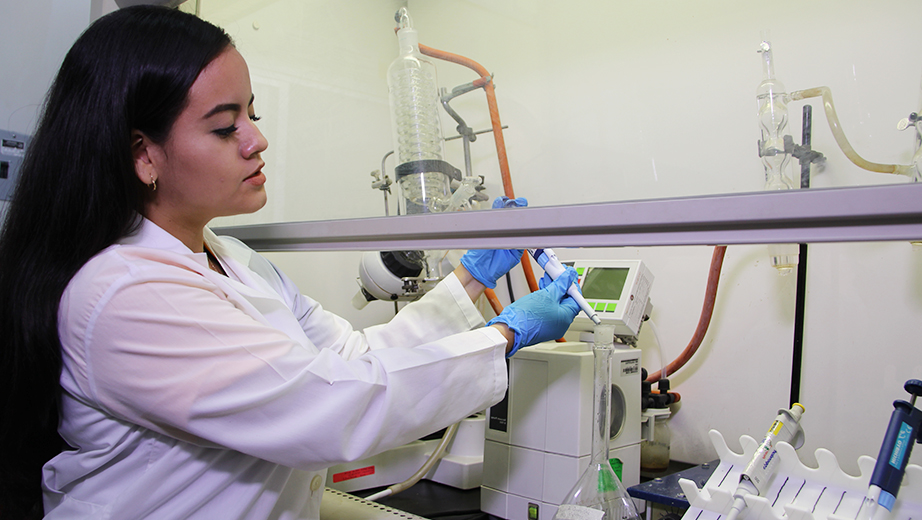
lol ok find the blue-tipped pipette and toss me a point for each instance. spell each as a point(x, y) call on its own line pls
point(552, 266)
point(902, 432)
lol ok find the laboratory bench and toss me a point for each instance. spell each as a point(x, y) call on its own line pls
point(432, 500)
point(435, 501)
point(663, 488)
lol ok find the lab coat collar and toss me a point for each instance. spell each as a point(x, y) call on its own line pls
point(151, 235)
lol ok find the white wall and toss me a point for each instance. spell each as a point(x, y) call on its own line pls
point(609, 101)
point(34, 36)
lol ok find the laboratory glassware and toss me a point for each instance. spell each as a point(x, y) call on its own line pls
point(654, 451)
point(776, 157)
point(599, 494)
point(423, 177)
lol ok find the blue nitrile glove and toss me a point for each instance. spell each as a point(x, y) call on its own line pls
point(543, 315)
point(489, 265)
point(506, 202)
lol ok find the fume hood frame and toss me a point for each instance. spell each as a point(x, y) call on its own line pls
point(853, 214)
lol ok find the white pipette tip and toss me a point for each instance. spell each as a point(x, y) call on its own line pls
point(738, 505)
point(595, 319)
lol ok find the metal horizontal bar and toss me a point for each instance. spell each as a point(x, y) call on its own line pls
point(855, 214)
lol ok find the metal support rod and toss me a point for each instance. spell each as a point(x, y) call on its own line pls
point(466, 133)
point(800, 299)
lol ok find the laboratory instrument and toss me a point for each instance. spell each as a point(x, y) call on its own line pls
point(12, 152)
point(552, 266)
point(426, 183)
point(618, 291)
point(423, 177)
point(599, 493)
point(902, 433)
point(778, 147)
point(774, 150)
point(754, 478)
point(538, 439)
point(396, 276)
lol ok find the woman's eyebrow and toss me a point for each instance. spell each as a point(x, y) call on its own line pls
point(224, 107)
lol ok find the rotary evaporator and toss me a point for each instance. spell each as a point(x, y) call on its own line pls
point(426, 183)
point(532, 455)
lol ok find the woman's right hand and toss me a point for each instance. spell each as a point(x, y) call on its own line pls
point(543, 315)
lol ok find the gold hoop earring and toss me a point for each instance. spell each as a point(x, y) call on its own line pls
point(153, 183)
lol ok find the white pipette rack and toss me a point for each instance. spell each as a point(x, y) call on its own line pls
point(795, 492)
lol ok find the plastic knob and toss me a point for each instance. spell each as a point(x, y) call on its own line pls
point(914, 387)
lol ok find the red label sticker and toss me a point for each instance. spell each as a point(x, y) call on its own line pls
point(355, 473)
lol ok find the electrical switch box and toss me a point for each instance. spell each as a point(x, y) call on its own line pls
point(12, 151)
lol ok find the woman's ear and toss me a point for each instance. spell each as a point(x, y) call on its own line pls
point(142, 152)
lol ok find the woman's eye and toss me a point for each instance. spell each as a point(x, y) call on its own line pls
point(226, 132)
point(254, 118)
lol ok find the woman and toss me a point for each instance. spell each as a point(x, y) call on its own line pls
point(185, 375)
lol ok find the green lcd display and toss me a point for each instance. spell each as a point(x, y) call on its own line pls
point(604, 283)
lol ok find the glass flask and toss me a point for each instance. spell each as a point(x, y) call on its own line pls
point(599, 494)
point(414, 101)
point(654, 452)
point(773, 121)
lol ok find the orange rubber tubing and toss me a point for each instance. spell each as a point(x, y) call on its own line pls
point(707, 310)
point(494, 301)
point(486, 81)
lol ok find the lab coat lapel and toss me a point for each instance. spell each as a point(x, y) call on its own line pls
point(257, 293)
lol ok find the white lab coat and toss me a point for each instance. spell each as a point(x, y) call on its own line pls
point(188, 394)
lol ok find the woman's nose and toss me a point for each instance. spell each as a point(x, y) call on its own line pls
point(256, 143)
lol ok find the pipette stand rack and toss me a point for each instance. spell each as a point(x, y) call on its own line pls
point(795, 491)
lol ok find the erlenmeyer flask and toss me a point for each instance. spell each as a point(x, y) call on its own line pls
point(599, 494)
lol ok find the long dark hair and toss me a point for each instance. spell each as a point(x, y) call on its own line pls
point(77, 194)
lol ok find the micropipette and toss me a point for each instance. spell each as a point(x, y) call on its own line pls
point(902, 433)
point(552, 266)
point(754, 477)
